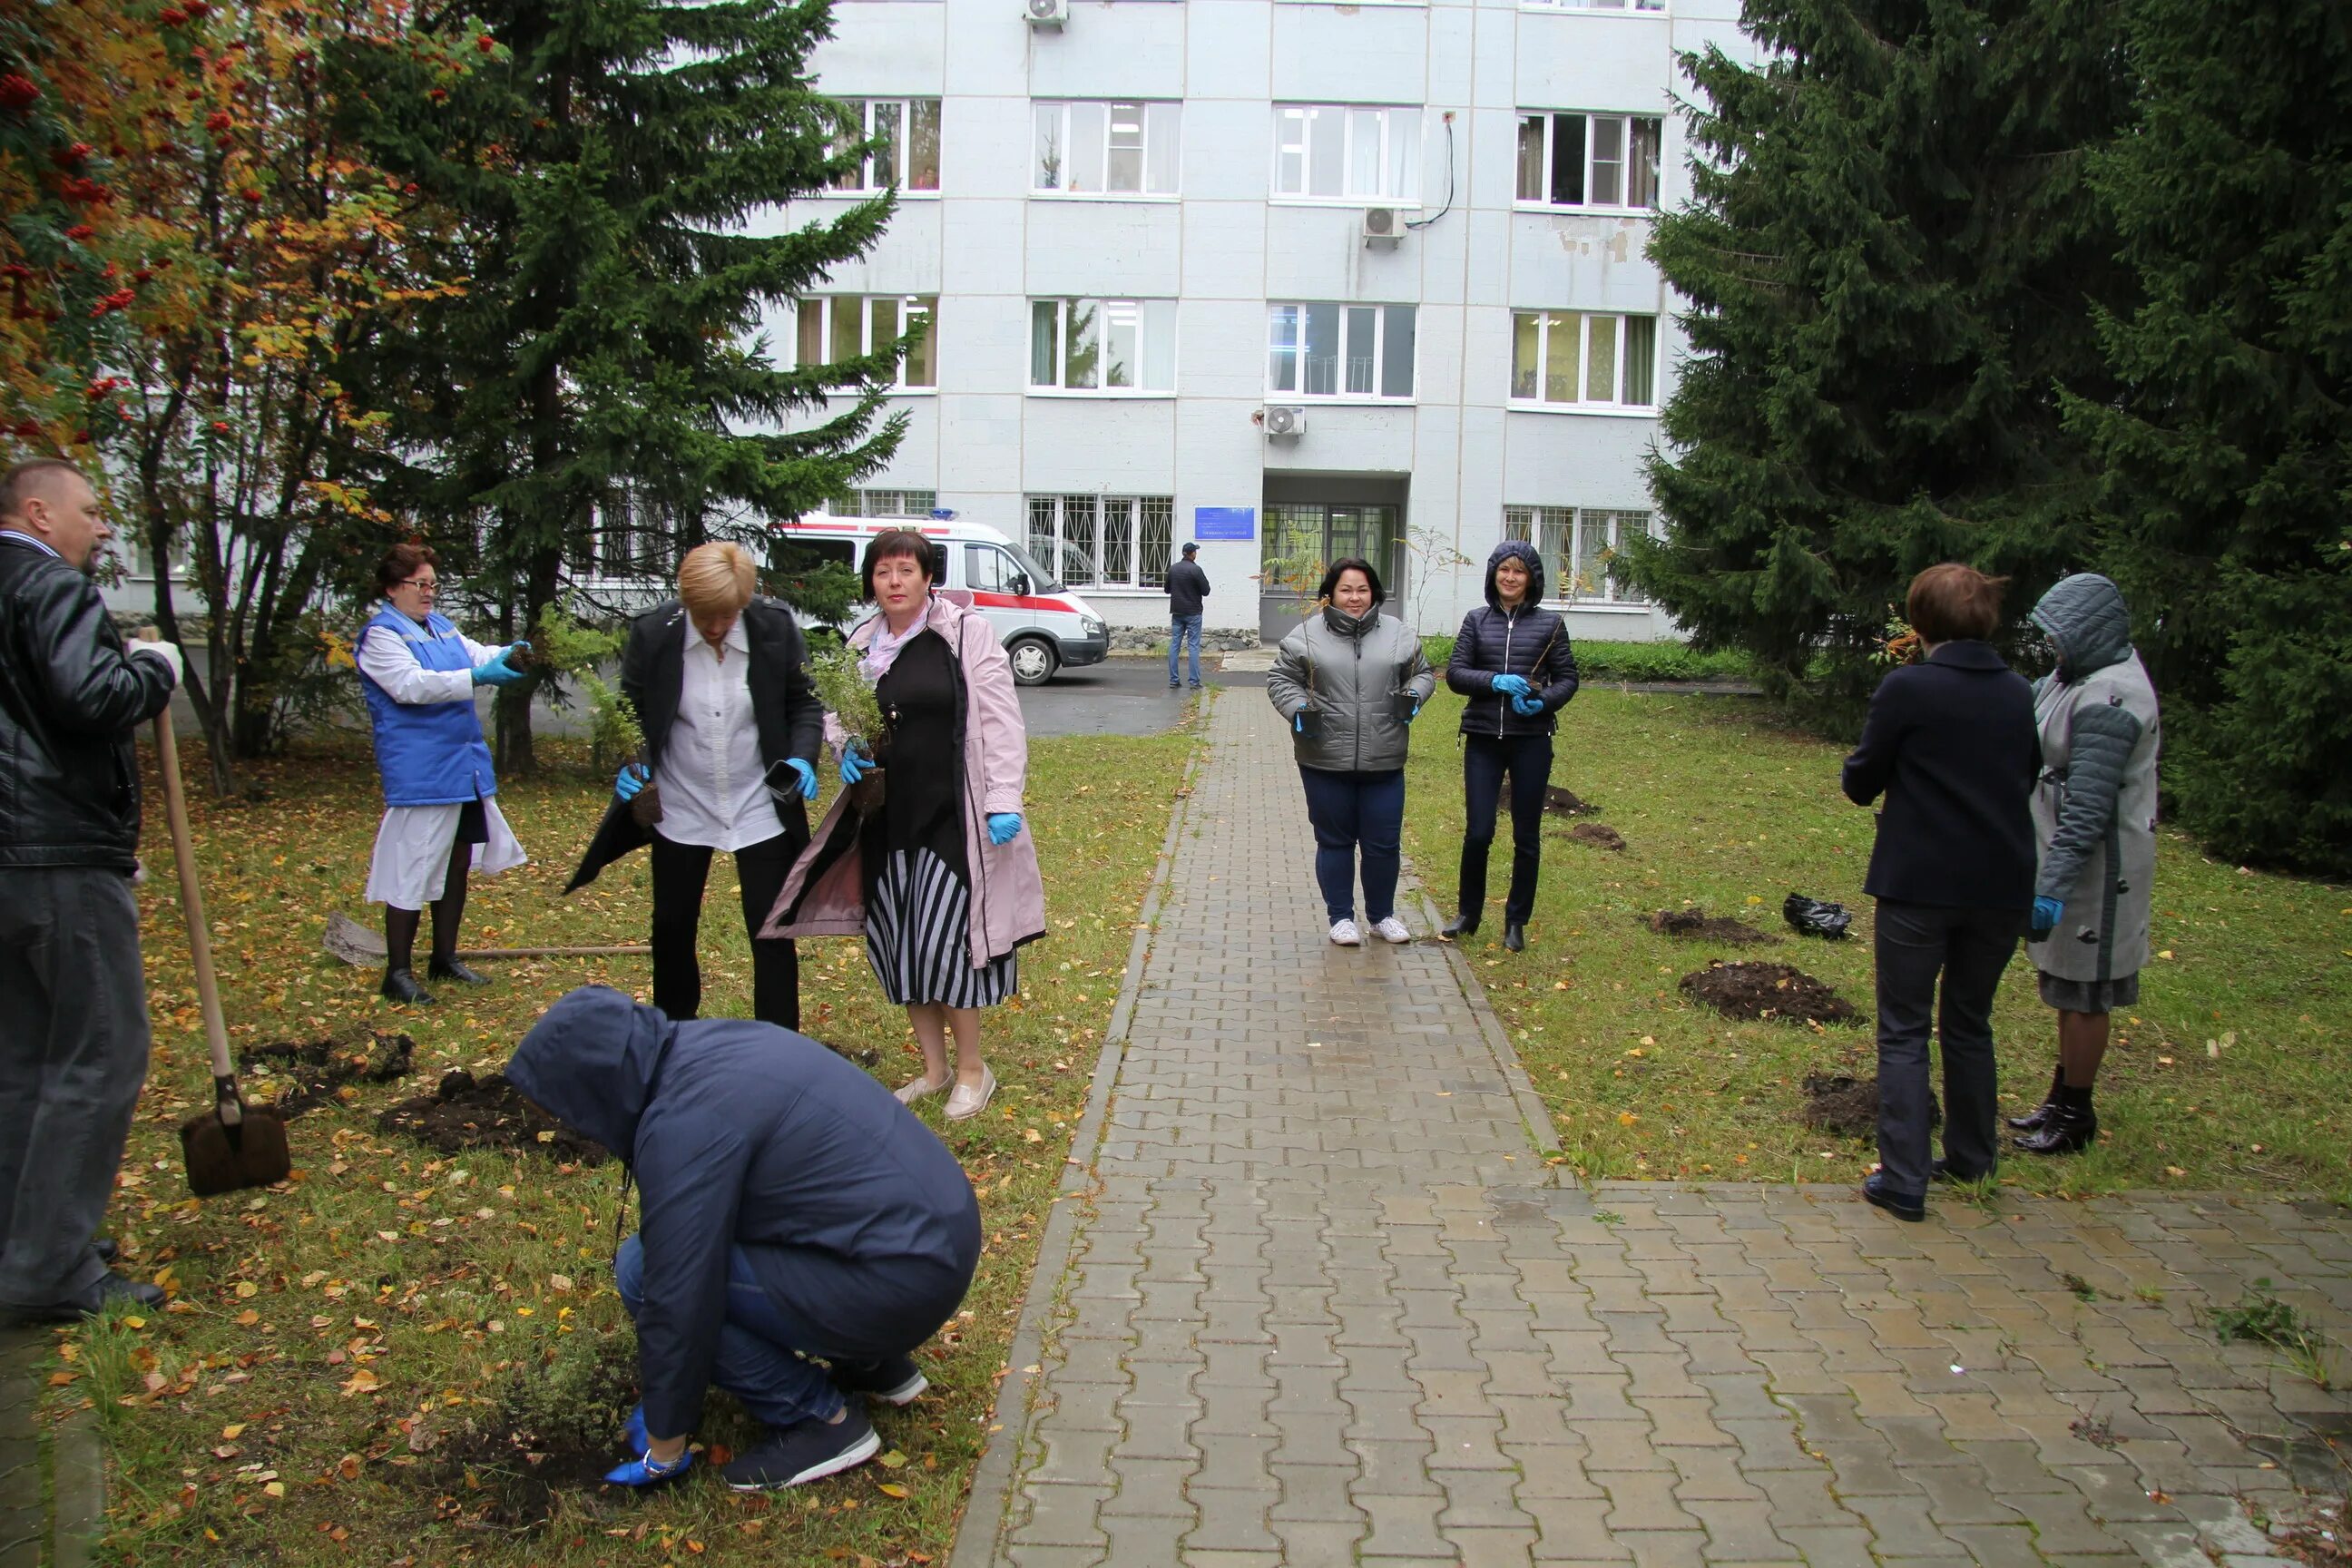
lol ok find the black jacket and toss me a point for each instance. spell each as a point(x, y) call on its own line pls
point(859, 1224)
point(1951, 744)
point(1533, 642)
point(70, 701)
point(1187, 587)
point(783, 704)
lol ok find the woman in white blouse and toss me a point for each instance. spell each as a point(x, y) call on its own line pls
point(418, 673)
point(733, 727)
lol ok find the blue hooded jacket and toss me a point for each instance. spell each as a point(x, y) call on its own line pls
point(858, 1223)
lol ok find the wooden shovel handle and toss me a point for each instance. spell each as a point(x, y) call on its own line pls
point(192, 896)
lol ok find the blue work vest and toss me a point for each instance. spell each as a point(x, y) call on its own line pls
point(430, 754)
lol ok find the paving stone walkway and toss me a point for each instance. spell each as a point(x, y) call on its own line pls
point(1327, 1304)
point(52, 1510)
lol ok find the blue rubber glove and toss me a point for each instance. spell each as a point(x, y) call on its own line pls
point(496, 671)
point(855, 766)
point(633, 779)
point(2047, 912)
point(808, 776)
point(643, 1471)
point(1511, 685)
point(1004, 826)
point(634, 1433)
point(1526, 706)
point(1298, 724)
point(1415, 713)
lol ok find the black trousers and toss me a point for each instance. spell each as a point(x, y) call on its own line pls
point(680, 870)
point(1485, 759)
point(1970, 948)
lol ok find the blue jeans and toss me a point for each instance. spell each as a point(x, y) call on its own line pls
point(1485, 760)
point(1356, 813)
point(774, 1378)
point(1179, 628)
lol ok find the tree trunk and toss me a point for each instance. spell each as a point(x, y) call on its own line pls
point(204, 695)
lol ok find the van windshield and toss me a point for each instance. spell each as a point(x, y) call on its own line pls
point(1040, 580)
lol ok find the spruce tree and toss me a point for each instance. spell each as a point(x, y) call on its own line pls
point(612, 178)
point(2230, 453)
point(1889, 261)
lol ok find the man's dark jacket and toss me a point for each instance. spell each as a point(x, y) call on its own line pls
point(858, 1223)
point(1530, 641)
point(1187, 587)
point(70, 701)
point(1951, 744)
point(784, 705)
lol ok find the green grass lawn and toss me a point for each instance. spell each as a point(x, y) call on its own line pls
point(361, 1366)
point(2230, 1073)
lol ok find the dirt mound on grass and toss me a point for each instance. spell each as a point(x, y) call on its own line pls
point(1694, 924)
point(466, 1112)
point(1768, 991)
point(1848, 1106)
point(1565, 802)
point(309, 1076)
point(1600, 837)
point(543, 1451)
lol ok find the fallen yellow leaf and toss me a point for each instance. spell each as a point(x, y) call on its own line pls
point(246, 1290)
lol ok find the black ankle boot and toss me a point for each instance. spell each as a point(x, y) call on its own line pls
point(442, 968)
point(2033, 1120)
point(2066, 1128)
point(1515, 935)
point(1460, 926)
point(400, 985)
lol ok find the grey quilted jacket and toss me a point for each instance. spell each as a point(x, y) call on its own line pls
point(1348, 673)
point(2095, 807)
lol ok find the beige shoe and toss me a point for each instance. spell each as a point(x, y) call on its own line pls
point(963, 1104)
point(917, 1089)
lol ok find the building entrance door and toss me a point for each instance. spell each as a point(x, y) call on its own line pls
point(1302, 538)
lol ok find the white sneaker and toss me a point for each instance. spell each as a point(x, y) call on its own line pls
point(1345, 934)
point(1392, 930)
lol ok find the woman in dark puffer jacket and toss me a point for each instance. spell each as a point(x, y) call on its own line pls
point(1513, 661)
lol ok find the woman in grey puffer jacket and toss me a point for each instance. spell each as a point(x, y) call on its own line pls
point(1349, 680)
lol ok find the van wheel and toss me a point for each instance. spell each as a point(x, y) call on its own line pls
point(1034, 662)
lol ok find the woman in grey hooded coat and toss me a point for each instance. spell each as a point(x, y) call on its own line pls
point(2094, 826)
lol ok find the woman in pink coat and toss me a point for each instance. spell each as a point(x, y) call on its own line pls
point(941, 879)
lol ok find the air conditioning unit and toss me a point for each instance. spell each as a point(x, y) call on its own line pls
point(1383, 225)
point(1047, 13)
point(1285, 420)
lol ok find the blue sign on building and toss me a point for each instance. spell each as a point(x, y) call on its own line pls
point(1224, 522)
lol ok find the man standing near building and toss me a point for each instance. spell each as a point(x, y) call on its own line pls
point(1187, 587)
point(73, 1052)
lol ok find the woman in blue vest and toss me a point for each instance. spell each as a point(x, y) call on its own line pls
point(418, 673)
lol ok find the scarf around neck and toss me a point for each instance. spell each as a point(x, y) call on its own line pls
point(883, 651)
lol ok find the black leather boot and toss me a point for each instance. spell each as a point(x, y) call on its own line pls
point(1459, 927)
point(2032, 1120)
point(2066, 1128)
point(1515, 935)
point(450, 969)
point(400, 985)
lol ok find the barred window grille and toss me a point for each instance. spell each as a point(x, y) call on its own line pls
point(1159, 539)
point(1106, 541)
point(1580, 546)
point(884, 503)
point(1118, 538)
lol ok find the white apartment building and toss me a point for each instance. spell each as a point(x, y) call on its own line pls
point(1295, 279)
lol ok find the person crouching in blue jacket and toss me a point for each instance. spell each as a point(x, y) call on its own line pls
point(790, 1210)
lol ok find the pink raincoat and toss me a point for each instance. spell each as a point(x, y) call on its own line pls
point(826, 893)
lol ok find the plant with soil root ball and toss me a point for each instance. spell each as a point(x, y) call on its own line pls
point(567, 646)
point(849, 697)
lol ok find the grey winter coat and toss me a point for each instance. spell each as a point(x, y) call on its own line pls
point(2094, 808)
point(1348, 673)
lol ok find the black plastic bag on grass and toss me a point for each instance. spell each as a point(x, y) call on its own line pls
point(1812, 917)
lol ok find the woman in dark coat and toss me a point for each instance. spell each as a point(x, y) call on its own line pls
point(1950, 742)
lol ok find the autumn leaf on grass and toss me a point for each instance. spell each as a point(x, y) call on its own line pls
point(362, 1381)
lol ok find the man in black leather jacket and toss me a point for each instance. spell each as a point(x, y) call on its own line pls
point(73, 1049)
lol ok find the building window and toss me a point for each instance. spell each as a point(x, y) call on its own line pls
point(1579, 547)
point(884, 503)
point(1645, 5)
point(1573, 358)
point(852, 326)
point(1107, 346)
point(1343, 152)
point(905, 133)
point(1340, 351)
point(1103, 542)
point(1588, 161)
point(1105, 148)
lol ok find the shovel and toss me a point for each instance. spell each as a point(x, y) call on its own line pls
point(233, 1145)
point(356, 944)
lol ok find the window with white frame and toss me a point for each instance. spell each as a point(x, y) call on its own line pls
point(1105, 148)
point(1579, 546)
point(1340, 152)
point(1584, 359)
point(1103, 542)
point(1649, 6)
point(851, 326)
point(1340, 351)
point(884, 503)
point(1112, 347)
point(1586, 161)
point(905, 133)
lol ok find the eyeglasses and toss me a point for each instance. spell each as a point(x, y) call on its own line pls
point(426, 584)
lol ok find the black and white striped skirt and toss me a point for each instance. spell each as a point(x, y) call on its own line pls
point(918, 935)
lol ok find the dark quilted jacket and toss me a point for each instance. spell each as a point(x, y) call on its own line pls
point(1533, 642)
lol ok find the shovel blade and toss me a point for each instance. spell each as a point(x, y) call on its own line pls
point(223, 1159)
point(353, 942)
